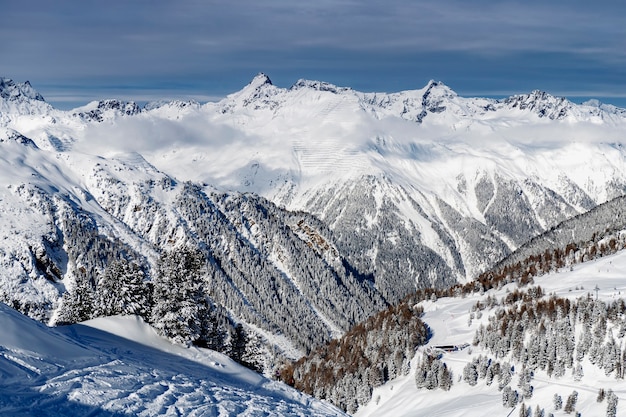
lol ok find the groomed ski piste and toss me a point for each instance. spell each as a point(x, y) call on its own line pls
point(119, 366)
point(448, 319)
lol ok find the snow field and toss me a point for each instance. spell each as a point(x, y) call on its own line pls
point(119, 366)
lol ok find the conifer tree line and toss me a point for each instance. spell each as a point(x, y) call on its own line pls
point(549, 334)
point(277, 270)
point(280, 271)
point(346, 370)
point(554, 325)
point(175, 302)
point(536, 264)
point(556, 334)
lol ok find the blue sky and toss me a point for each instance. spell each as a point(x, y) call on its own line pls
point(76, 51)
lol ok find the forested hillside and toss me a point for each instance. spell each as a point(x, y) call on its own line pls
point(517, 325)
point(285, 216)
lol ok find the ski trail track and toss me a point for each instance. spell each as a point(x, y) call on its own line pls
point(112, 376)
point(327, 151)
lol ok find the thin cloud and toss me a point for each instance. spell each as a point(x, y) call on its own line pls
point(374, 44)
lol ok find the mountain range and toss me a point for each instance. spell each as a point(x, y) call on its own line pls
point(314, 206)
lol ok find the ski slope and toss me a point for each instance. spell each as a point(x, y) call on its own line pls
point(449, 317)
point(119, 366)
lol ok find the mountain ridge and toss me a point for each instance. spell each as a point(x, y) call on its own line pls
point(396, 192)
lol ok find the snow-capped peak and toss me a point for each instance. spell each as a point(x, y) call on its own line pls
point(542, 103)
point(10, 90)
point(258, 94)
point(318, 86)
point(10, 135)
point(259, 80)
point(103, 109)
point(20, 99)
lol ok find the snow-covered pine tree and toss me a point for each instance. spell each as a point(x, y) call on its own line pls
point(238, 343)
point(445, 377)
point(181, 309)
point(78, 304)
point(578, 371)
point(470, 374)
point(245, 349)
point(505, 375)
point(558, 401)
point(509, 397)
point(611, 403)
point(570, 405)
point(218, 327)
point(539, 412)
point(525, 378)
point(122, 290)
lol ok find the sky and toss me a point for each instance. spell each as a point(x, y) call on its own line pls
point(75, 51)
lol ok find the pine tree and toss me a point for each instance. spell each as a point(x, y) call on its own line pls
point(570, 405)
point(78, 304)
point(122, 290)
point(421, 372)
point(611, 403)
point(578, 372)
point(509, 397)
point(238, 344)
point(558, 401)
point(539, 412)
point(216, 331)
point(445, 377)
point(181, 309)
point(470, 374)
point(505, 375)
point(245, 349)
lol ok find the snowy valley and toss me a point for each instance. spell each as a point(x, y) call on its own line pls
point(305, 211)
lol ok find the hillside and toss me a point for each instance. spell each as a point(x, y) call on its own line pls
point(313, 206)
point(120, 366)
point(570, 331)
point(529, 325)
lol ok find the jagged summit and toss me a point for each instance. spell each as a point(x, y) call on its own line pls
point(259, 80)
point(18, 99)
point(10, 90)
point(318, 86)
point(439, 87)
point(542, 103)
point(8, 135)
point(99, 110)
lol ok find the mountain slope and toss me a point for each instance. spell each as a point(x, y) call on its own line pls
point(525, 326)
point(556, 321)
point(119, 366)
point(302, 200)
point(457, 321)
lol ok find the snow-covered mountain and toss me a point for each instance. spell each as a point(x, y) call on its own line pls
point(119, 366)
point(527, 328)
point(522, 350)
point(314, 206)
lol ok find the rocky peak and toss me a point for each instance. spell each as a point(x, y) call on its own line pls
point(257, 94)
point(9, 135)
point(259, 80)
point(318, 86)
point(541, 103)
point(10, 90)
point(97, 111)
